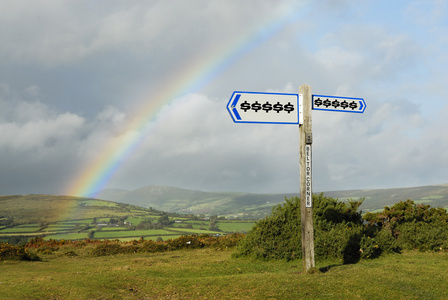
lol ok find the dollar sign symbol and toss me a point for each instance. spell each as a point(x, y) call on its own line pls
point(327, 103)
point(289, 107)
point(335, 103)
point(267, 107)
point(353, 105)
point(278, 107)
point(344, 104)
point(256, 106)
point(318, 102)
point(245, 106)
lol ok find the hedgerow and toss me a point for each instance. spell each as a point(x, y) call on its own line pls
point(183, 242)
point(108, 247)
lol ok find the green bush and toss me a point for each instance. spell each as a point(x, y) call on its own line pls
point(337, 230)
point(407, 225)
point(276, 236)
point(338, 241)
point(423, 236)
point(370, 247)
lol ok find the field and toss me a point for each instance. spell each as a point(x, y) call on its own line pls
point(212, 274)
point(70, 218)
point(81, 229)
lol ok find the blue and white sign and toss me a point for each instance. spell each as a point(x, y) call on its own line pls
point(270, 108)
point(333, 103)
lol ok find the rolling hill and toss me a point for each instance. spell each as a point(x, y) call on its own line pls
point(179, 200)
point(51, 208)
point(23, 217)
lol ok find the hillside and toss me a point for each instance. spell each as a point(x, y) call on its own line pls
point(174, 199)
point(23, 217)
point(171, 199)
point(434, 195)
point(51, 208)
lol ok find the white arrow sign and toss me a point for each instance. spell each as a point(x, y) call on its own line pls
point(274, 108)
point(333, 103)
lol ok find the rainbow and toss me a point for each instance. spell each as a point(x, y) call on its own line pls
point(189, 78)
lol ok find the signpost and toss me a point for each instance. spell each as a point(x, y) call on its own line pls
point(271, 108)
point(306, 188)
point(344, 104)
point(278, 108)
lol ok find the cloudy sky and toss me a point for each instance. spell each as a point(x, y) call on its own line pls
point(81, 81)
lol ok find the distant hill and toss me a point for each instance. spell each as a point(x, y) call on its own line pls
point(377, 199)
point(179, 200)
point(51, 208)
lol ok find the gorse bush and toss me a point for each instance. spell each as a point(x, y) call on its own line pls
point(276, 236)
point(183, 242)
point(340, 230)
point(108, 247)
point(337, 231)
point(9, 252)
point(413, 226)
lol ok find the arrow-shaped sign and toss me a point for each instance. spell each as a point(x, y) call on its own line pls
point(333, 103)
point(273, 108)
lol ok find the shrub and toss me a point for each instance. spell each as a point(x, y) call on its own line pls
point(106, 248)
point(9, 252)
point(151, 246)
point(337, 230)
point(276, 236)
point(423, 236)
point(46, 249)
point(407, 225)
point(369, 247)
point(185, 241)
point(338, 241)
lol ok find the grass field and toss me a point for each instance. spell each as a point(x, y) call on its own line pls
point(212, 274)
point(71, 218)
point(79, 229)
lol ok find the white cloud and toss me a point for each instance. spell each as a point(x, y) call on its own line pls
point(36, 134)
point(71, 71)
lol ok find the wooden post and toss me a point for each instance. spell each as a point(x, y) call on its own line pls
point(306, 191)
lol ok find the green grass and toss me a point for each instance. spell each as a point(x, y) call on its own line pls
point(235, 226)
point(192, 231)
point(211, 274)
point(67, 236)
point(18, 229)
point(76, 229)
point(111, 228)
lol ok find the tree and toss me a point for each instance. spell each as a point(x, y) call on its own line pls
point(213, 226)
point(113, 220)
point(164, 220)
